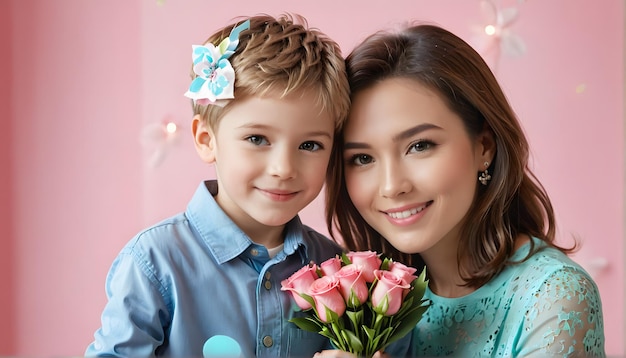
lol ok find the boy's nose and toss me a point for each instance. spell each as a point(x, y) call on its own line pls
point(283, 164)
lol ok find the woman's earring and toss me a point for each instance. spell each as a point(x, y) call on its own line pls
point(485, 177)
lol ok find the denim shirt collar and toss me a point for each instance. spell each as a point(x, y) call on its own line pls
point(224, 238)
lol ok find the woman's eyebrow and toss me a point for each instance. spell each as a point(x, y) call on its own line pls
point(413, 131)
point(398, 137)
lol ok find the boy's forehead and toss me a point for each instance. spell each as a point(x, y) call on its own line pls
point(296, 113)
point(307, 98)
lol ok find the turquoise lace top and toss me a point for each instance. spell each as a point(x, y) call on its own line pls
point(545, 306)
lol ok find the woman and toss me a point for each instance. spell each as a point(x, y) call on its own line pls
point(432, 168)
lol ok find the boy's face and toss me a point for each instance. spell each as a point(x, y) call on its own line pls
point(270, 157)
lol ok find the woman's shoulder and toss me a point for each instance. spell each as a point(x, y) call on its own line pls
point(550, 292)
point(542, 260)
point(548, 272)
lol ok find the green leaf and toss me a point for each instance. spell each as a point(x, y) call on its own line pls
point(327, 333)
point(384, 335)
point(336, 343)
point(408, 323)
point(385, 264)
point(407, 304)
point(373, 341)
point(355, 317)
point(374, 344)
point(371, 333)
point(307, 324)
point(332, 316)
point(383, 306)
point(353, 301)
point(419, 285)
point(341, 343)
point(356, 346)
point(383, 338)
point(344, 258)
point(309, 299)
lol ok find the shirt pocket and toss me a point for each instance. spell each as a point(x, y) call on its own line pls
point(301, 343)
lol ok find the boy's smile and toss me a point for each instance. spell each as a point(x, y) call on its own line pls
point(279, 195)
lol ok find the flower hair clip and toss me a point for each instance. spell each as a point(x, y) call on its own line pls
point(215, 76)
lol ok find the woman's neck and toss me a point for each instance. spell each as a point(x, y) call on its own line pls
point(444, 277)
point(442, 266)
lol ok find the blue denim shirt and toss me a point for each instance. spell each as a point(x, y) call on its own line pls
point(190, 277)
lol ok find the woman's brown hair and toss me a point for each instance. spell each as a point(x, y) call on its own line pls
point(514, 202)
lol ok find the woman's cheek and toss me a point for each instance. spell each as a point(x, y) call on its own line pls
point(445, 173)
point(358, 185)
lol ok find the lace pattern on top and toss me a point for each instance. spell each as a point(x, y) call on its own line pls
point(545, 306)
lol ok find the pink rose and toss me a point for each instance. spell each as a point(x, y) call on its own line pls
point(352, 285)
point(330, 266)
point(388, 293)
point(325, 293)
point(299, 283)
point(405, 272)
point(368, 261)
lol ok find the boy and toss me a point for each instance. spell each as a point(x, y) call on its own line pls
point(269, 96)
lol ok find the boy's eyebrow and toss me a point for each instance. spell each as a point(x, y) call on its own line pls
point(312, 134)
point(321, 134)
point(406, 134)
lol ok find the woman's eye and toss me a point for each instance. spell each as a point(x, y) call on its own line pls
point(257, 140)
point(421, 146)
point(311, 146)
point(360, 159)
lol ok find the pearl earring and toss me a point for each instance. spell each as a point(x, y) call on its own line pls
point(485, 177)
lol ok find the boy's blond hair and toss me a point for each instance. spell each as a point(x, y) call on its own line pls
point(284, 56)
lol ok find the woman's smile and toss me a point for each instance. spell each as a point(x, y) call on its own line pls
point(406, 216)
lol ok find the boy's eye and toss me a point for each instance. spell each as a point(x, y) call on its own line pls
point(257, 140)
point(361, 159)
point(421, 146)
point(311, 146)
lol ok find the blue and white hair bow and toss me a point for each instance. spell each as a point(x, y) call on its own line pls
point(215, 76)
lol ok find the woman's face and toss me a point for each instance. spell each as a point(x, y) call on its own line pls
point(411, 168)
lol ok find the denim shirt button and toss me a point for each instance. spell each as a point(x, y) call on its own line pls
point(268, 285)
point(268, 341)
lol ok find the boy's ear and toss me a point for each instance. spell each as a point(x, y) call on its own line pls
point(204, 139)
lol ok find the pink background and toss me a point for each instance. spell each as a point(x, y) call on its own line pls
point(81, 80)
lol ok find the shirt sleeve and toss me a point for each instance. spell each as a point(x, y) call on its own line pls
point(563, 318)
point(134, 318)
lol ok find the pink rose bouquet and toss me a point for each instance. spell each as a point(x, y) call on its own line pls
point(361, 302)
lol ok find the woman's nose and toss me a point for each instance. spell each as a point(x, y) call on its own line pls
point(393, 180)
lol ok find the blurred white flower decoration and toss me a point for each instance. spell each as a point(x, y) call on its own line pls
point(158, 139)
point(496, 38)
